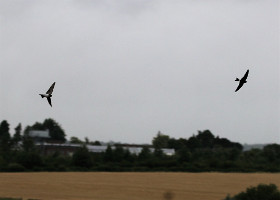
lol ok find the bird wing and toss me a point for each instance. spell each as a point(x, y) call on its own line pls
point(50, 89)
point(50, 101)
point(246, 75)
point(239, 86)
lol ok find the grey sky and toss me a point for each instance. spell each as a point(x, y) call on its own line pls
point(126, 69)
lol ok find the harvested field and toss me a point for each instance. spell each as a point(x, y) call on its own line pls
point(129, 186)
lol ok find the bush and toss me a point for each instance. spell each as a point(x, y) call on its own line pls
point(30, 160)
point(82, 158)
point(10, 199)
point(15, 167)
point(261, 192)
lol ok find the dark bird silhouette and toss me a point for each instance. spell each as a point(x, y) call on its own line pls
point(242, 80)
point(48, 94)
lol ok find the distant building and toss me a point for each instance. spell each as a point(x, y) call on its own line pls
point(39, 135)
point(248, 147)
point(64, 149)
point(133, 150)
point(69, 149)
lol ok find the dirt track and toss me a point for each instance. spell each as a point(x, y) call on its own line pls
point(129, 186)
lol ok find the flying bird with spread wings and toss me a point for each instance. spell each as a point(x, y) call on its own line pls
point(242, 80)
point(48, 94)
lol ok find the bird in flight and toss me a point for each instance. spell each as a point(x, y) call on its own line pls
point(242, 80)
point(48, 94)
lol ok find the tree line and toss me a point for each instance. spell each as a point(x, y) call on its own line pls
point(260, 192)
point(198, 153)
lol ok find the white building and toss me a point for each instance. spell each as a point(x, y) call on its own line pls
point(39, 134)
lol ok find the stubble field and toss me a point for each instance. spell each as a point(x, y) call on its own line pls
point(129, 186)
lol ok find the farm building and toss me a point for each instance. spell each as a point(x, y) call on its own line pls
point(69, 149)
point(39, 135)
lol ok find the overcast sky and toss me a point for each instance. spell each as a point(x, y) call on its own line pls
point(126, 69)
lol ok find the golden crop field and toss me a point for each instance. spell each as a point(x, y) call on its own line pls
point(129, 186)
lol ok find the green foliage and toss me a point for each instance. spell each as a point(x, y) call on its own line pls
point(82, 158)
point(108, 156)
point(272, 153)
point(158, 153)
point(145, 154)
point(177, 144)
point(201, 152)
point(57, 162)
point(15, 167)
point(183, 154)
point(3, 163)
point(118, 154)
point(97, 143)
point(28, 144)
point(26, 130)
point(56, 132)
point(30, 160)
point(75, 140)
point(160, 141)
point(38, 126)
point(4, 128)
point(261, 192)
point(17, 136)
point(4, 137)
point(206, 139)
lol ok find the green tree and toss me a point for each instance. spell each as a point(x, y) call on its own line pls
point(225, 143)
point(17, 136)
point(183, 154)
point(261, 192)
point(177, 144)
point(96, 143)
point(128, 156)
point(38, 126)
point(5, 136)
point(158, 153)
point(145, 153)
point(28, 144)
point(109, 156)
point(87, 140)
point(206, 139)
point(56, 131)
point(26, 130)
point(82, 158)
point(4, 128)
point(118, 154)
point(193, 143)
point(160, 141)
point(272, 152)
point(75, 140)
point(30, 160)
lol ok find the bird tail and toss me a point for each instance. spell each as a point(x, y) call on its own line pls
point(237, 79)
point(41, 95)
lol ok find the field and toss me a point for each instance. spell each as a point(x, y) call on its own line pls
point(129, 186)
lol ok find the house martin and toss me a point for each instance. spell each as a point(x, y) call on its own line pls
point(48, 94)
point(242, 80)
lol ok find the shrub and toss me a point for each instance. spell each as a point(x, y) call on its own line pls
point(82, 159)
point(15, 167)
point(10, 199)
point(261, 192)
